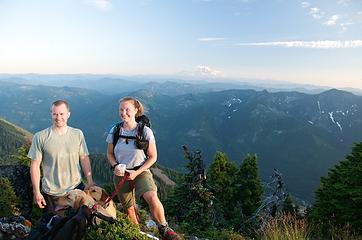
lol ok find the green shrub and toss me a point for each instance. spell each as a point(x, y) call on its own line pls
point(222, 235)
point(122, 229)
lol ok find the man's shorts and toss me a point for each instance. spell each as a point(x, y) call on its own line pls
point(130, 190)
point(50, 201)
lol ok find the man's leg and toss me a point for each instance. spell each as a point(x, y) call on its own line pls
point(50, 201)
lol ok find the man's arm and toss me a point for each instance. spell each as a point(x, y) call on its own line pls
point(84, 161)
point(35, 181)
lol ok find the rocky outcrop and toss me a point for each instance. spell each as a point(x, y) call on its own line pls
point(19, 176)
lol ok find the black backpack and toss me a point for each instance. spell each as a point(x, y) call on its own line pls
point(53, 227)
point(139, 140)
point(73, 227)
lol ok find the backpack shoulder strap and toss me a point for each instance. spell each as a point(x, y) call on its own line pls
point(140, 136)
point(116, 130)
point(140, 129)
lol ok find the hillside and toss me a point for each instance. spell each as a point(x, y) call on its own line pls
point(302, 135)
point(12, 137)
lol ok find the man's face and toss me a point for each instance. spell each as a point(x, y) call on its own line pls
point(60, 115)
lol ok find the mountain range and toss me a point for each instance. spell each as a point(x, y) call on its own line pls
point(302, 135)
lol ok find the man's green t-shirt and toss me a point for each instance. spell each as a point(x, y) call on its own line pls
point(59, 156)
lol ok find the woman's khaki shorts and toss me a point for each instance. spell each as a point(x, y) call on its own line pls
point(142, 184)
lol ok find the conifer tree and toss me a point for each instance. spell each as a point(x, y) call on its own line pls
point(288, 205)
point(250, 189)
point(22, 155)
point(8, 200)
point(190, 203)
point(339, 197)
point(221, 177)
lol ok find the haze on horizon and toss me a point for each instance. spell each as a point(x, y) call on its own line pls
point(306, 42)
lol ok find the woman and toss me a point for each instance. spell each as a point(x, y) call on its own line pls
point(139, 177)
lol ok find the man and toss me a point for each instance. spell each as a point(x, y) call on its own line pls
point(61, 151)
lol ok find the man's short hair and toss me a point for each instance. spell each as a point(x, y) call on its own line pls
point(60, 102)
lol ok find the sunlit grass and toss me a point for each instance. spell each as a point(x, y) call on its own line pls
point(320, 231)
point(286, 227)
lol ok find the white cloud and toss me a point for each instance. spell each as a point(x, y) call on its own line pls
point(316, 13)
point(201, 71)
point(246, 1)
point(206, 71)
point(103, 5)
point(305, 4)
point(344, 26)
point(344, 2)
point(210, 39)
point(332, 20)
point(327, 44)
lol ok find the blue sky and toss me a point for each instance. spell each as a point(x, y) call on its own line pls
point(311, 42)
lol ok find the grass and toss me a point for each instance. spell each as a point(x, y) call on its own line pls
point(288, 227)
point(335, 233)
point(291, 227)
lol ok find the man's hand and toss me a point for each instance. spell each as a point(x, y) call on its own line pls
point(39, 200)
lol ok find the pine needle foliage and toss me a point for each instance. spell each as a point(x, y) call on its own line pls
point(8, 200)
point(250, 190)
point(221, 175)
point(339, 198)
point(190, 203)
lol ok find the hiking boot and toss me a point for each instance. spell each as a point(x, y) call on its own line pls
point(167, 233)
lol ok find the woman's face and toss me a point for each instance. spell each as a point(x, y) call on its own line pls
point(127, 111)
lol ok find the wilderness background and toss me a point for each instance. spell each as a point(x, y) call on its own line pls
point(302, 134)
point(255, 86)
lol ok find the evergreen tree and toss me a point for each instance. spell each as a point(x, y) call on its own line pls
point(250, 188)
point(22, 154)
point(190, 203)
point(8, 200)
point(339, 197)
point(221, 177)
point(288, 205)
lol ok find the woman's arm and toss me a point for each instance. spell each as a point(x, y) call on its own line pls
point(110, 155)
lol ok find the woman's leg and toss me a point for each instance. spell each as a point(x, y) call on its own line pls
point(132, 214)
point(156, 207)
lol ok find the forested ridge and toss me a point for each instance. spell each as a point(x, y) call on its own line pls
point(302, 135)
point(225, 200)
point(12, 137)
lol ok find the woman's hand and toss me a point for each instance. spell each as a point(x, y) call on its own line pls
point(131, 175)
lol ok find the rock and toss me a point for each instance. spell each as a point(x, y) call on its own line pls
point(150, 224)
